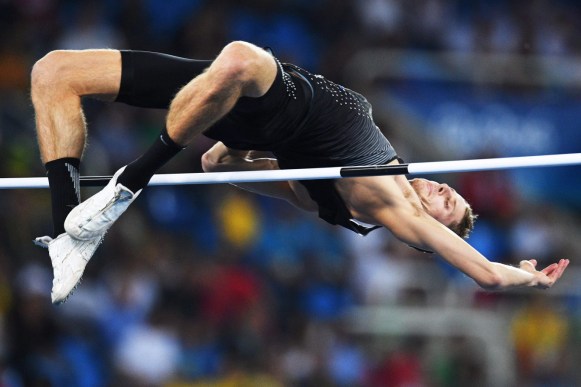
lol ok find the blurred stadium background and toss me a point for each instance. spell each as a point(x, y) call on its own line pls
point(210, 286)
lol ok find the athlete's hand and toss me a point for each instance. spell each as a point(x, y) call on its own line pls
point(220, 158)
point(547, 277)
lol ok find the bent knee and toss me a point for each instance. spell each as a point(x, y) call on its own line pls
point(77, 72)
point(49, 70)
point(247, 64)
point(238, 60)
point(48, 67)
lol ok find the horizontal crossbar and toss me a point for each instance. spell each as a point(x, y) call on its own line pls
point(423, 168)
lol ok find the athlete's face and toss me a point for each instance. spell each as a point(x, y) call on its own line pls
point(440, 201)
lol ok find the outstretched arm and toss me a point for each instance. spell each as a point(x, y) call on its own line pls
point(223, 159)
point(423, 231)
point(372, 200)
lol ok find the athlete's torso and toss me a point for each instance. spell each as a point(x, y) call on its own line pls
point(308, 121)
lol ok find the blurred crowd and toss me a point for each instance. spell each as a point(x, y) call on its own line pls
point(212, 286)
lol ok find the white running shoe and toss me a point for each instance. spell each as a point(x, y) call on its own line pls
point(69, 258)
point(93, 217)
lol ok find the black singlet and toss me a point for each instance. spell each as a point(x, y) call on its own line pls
point(309, 122)
point(306, 120)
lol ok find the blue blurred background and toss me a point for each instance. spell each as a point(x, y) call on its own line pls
point(210, 286)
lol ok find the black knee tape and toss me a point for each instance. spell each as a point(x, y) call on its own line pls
point(151, 80)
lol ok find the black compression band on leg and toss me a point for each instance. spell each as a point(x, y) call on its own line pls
point(137, 174)
point(151, 79)
point(63, 179)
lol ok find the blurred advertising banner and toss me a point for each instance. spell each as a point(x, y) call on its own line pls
point(466, 121)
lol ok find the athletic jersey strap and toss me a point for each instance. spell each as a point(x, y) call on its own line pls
point(332, 208)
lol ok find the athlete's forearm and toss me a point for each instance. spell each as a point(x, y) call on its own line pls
point(222, 159)
point(279, 190)
point(512, 277)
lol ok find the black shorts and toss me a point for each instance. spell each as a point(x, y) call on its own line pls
point(151, 79)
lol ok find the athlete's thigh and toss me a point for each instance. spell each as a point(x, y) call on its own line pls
point(95, 73)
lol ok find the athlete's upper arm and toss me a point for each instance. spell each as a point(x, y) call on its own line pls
point(221, 159)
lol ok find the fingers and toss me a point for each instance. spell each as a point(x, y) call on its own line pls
point(558, 272)
point(549, 269)
point(554, 271)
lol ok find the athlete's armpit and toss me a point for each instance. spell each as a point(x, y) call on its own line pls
point(303, 198)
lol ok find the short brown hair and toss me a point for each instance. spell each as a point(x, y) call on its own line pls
point(466, 224)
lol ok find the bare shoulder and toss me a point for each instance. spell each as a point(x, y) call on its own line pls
point(366, 197)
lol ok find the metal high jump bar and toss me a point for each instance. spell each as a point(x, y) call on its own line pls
point(421, 168)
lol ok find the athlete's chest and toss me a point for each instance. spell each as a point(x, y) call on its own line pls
point(368, 197)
